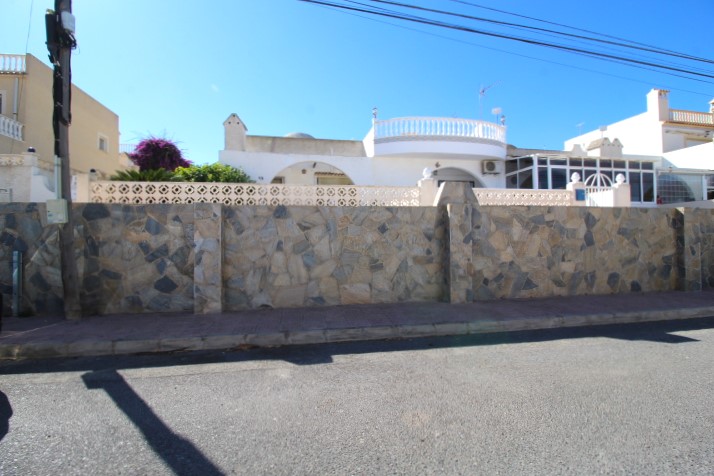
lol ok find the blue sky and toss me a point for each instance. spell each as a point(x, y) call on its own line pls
point(178, 69)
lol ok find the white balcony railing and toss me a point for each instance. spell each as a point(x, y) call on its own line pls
point(10, 128)
point(12, 64)
point(439, 127)
point(691, 117)
point(126, 148)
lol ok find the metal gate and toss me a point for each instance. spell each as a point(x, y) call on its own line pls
point(598, 191)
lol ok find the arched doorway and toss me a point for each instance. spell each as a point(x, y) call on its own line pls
point(312, 173)
point(453, 174)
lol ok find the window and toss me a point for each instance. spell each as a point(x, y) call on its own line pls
point(3, 97)
point(278, 180)
point(673, 188)
point(103, 143)
point(332, 179)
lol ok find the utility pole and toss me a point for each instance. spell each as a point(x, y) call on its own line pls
point(60, 42)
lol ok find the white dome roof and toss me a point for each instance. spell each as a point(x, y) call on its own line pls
point(299, 135)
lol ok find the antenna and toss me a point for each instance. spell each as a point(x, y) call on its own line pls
point(481, 94)
point(580, 125)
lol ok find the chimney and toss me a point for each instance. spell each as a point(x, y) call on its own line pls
point(658, 104)
point(234, 131)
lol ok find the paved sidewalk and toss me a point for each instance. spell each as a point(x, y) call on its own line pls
point(35, 337)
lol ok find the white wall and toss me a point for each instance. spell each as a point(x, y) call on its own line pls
point(387, 171)
point(268, 165)
point(640, 135)
point(440, 147)
point(697, 157)
point(28, 181)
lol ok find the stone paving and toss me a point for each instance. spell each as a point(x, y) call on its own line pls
point(43, 337)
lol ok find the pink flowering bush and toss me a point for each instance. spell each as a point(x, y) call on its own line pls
point(157, 153)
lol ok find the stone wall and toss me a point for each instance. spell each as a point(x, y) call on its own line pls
point(23, 228)
point(697, 239)
point(303, 256)
point(129, 258)
point(206, 258)
point(135, 258)
point(522, 252)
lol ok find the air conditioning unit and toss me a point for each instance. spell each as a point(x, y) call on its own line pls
point(489, 167)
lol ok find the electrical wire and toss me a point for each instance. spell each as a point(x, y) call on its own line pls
point(546, 30)
point(464, 42)
point(463, 2)
point(594, 54)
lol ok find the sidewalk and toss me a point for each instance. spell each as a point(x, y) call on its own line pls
point(35, 337)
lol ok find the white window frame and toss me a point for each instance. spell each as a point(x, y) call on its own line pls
point(102, 138)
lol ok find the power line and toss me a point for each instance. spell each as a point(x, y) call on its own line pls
point(558, 24)
point(566, 65)
point(547, 30)
point(581, 51)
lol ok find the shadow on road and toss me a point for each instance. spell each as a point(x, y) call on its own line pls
point(5, 414)
point(178, 453)
point(663, 332)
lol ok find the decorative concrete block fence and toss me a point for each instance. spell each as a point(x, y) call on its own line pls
point(207, 258)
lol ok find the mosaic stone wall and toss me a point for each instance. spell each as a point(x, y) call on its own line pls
point(135, 258)
point(23, 228)
point(207, 258)
point(129, 258)
point(698, 248)
point(307, 256)
point(521, 252)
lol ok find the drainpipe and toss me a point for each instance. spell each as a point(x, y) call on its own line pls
point(15, 99)
point(58, 178)
point(16, 282)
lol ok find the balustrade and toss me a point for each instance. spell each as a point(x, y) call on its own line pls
point(10, 128)
point(126, 148)
point(12, 63)
point(438, 127)
point(691, 117)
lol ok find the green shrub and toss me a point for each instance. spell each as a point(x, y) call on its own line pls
point(211, 173)
point(151, 175)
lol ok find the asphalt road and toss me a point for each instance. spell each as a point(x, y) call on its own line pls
point(635, 399)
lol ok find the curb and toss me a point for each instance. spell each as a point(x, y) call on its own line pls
point(487, 325)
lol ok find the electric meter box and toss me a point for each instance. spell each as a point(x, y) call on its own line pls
point(57, 211)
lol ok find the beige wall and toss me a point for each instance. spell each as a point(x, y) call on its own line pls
point(89, 119)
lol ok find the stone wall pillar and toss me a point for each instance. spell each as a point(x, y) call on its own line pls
point(208, 267)
point(428, 188)
point(459, 200)
point(461, 270)
point(578, 189)
point(621, 193)
point(688, 228)
point(82, 187)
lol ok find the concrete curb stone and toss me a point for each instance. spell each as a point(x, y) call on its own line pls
point(501, 317)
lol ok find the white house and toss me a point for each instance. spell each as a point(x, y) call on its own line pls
point(394, 152)
point(680, 141)
point(669, 155)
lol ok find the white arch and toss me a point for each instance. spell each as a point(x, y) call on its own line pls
point(457, 174)
point(293, 173)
